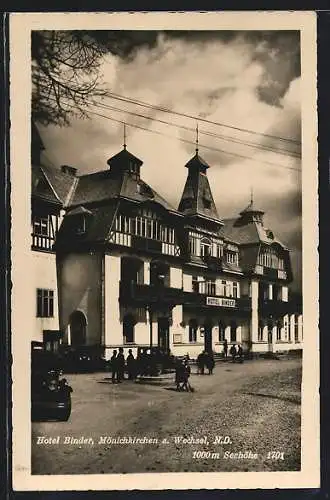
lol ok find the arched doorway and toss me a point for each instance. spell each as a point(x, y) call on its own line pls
point(129, 322)
point(164, 333)
point(78, 327)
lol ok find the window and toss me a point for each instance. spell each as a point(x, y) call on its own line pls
point(219, 251)
point(210, 287)
point(205, 247)
point(187, 203)
point(193, 245)
point(195, 287)
point(233, 328)
point(261, 331)
point(41, 226)
point(296, 330)
point(45, 303)
point(278, 331)
point(222, 329)
point(206, 203)
point(235, 289)
point(81, 225)
point(231, 257)
point(192, 330)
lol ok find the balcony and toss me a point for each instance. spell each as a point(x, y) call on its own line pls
point(268, 272)
point(213, 263)
point(274, 306)
point(146, 244)
point(131, 292)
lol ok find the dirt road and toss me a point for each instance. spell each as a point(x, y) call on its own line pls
point(245, 417)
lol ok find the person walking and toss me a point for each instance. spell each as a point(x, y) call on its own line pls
point(225, 349)
point(120, 365)
point(113, 366)
point(130, 362)
point(233, 353)
point(210, 362)
point(240, 353)
point(201, 363)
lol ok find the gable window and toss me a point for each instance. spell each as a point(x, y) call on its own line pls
point(231, 257)
point(45, 303)
point(205, 247)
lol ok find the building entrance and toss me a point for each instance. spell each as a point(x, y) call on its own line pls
point(78, 326)
point(208, 337)
point(164, 334)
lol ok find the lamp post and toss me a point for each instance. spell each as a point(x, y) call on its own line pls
point(150, 325)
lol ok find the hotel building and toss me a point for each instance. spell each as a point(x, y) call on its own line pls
point(116, 265)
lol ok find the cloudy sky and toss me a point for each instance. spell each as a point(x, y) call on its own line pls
point(243, 80)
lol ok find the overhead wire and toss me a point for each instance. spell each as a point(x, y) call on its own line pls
point(138, 102)
point(285, 152)
point(183, 140)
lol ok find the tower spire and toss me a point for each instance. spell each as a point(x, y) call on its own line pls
point(196, 137)
point(251, 196)
point(124, 136)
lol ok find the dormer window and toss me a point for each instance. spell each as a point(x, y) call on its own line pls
point(81, 224)
point(187, 203)
point(206, 202)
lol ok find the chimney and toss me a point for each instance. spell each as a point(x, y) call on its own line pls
point(66, 169)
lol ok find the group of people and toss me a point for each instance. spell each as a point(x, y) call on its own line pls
point(147, 362)
point(205, 360)
point(235, 352)
point(182, 374)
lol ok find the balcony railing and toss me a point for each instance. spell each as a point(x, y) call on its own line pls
point(276, 306)
point(149, 294)
point(270, 273)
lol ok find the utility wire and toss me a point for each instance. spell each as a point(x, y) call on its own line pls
point(137, 102)
point(285, 152)
point(200, 119)
point(184, 140)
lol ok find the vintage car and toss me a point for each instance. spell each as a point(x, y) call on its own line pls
point(50, 392)
point(81, 359)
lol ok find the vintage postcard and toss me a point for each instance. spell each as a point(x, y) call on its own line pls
point(164, 250)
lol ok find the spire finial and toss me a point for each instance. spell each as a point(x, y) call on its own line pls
point(124, 136)
point(196, 137)
point(251, 200)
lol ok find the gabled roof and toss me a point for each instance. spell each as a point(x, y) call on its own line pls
point(41, 187)
point(61, 183)
point(107, 185)
point(98, 224)
point(251, 233)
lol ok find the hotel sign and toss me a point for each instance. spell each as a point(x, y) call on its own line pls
point(220, 302)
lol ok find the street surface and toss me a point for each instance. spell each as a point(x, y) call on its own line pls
point(249, 414)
